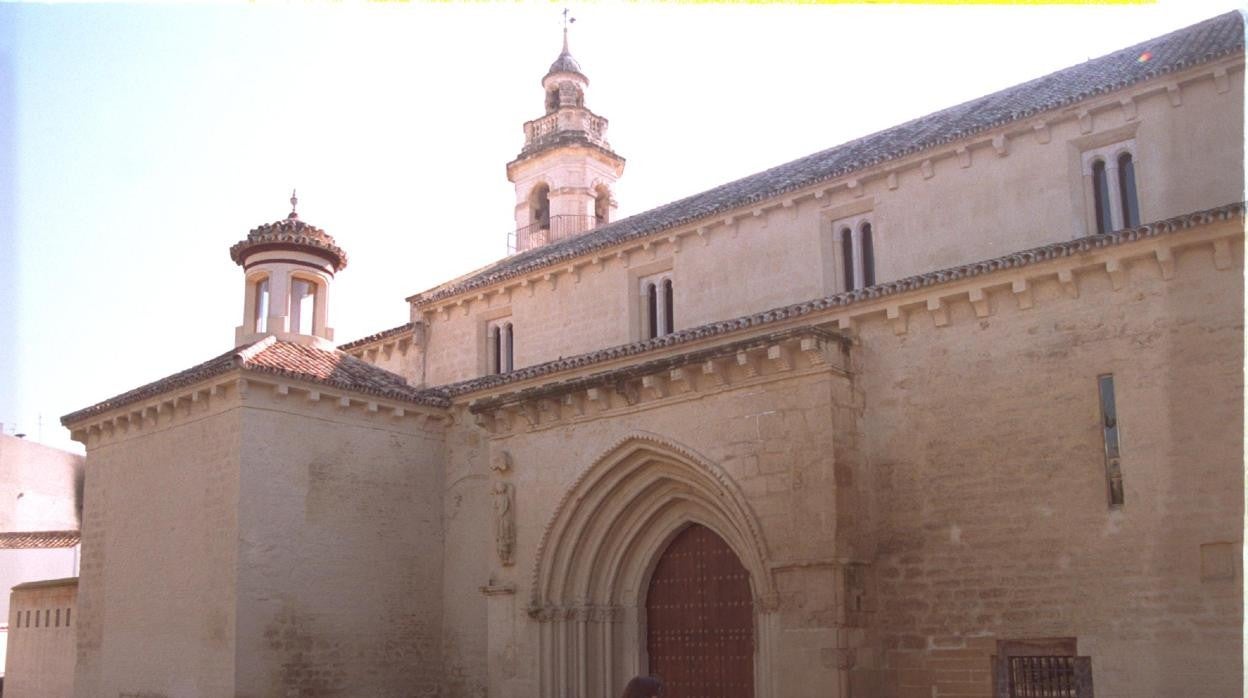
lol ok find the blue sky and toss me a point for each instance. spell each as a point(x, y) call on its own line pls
point(138, 142)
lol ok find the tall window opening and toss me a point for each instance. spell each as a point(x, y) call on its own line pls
point(1126, 189)
point(539, 204)
point(658, 306)
point(868, 254)
point(302, 305)
point(552, 99)
point(260, 305)
point(1100, 194)
point(853, 252)
point(500, 342)
point(847, 258)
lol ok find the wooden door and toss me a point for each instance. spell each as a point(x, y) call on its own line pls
point(700, 619)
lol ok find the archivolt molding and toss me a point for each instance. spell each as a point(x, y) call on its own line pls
point(598, 545)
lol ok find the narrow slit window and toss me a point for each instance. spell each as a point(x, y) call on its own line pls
point(668, 323)
point(1100, 195)
point(1109, 431)
point(67, 612)
point(58, 618)
point(868, 256)
point(260, 315)
point(1126, 188)
point(847, 258)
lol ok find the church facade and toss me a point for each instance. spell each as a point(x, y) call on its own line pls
point(953, 409)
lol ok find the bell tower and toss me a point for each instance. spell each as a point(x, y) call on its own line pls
point(565, 174)
point(288, 267)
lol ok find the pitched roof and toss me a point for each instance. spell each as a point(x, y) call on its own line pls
point(36, 540)
point(377, 336)
point(1185, 48)
point(287, 359)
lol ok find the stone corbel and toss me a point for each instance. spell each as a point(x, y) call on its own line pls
point(314, 396)
point(552, 408)
point(464, 305)
point(1165, 260)
point(891, 181)
point(1222, 254)
point(281, 390)
point(855, 187)
point(599, 262)
point(552, 279)
point(600, 398)
point(939, 311)
point(397, 413)
point(780, 357)
point(529, 411)
point(927, 169)
point(979, 301)
point(1066, 278)
point(704, 235)
point(1221, 81)
point(629, 391)
point(372, 406)
point(1130, 110)
point(528, 286)
point(1117, 274)
point(748, 363)
point(574, 403)
point(654, 387)
point(1085, 121)
point(1042, 132)
point(897, 317)
point(964, 156)
point(344, 402)
point(1175, 94)
point(716, 371)
point(1022, 293)
point(684, 380)
point(674, 241)
point(812, 349)
point(623, 257)
point(1001, 145)
point(485, 420)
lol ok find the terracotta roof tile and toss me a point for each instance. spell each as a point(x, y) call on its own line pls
point(377, 336)
point(34, 540)
point(274, 357)
point(1185, 48)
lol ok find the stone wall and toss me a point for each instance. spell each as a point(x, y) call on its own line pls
point(159, 554)
point(987, 466)
point(41, 639)
point(340, 549)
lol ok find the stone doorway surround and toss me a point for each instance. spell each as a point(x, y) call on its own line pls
point(599, 550)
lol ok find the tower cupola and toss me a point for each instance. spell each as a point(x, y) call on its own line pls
point(288, 266)
point(566, 172)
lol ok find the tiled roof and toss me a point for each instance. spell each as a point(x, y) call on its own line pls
point(377, 336)
point(1011, 261)
point(287, 359)
point(1185, 48)
point(34, 540)
point(290, 231)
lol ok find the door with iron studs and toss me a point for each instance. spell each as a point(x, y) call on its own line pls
point(700, 619)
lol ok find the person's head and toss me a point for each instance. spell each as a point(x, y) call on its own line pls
point(643, 687)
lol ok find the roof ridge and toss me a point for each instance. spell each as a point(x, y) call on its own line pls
point(244, 354)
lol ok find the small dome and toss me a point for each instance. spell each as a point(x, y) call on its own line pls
point(290, 232)
point(565, 63)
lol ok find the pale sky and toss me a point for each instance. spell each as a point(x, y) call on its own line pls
point(137, 143)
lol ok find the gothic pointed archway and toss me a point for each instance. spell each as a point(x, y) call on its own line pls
point(602, 547)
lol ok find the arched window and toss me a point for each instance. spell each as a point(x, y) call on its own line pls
point(539, 204)
point(494, 340)
point(652, 311)
point(868, 255)
point(508, 348)
point(668, 322)
point(302, 305)
point(1100, 195)
point(847, 258)
point(1126, 188)
point(260, 305)
point(602, 205)
point(552, 99)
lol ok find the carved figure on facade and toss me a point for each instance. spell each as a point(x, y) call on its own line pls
point(505, 522)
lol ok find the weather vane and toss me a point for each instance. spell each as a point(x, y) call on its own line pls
point(567, 20)
point(294, 204)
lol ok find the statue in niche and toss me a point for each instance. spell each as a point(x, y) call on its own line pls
point(505, 522)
